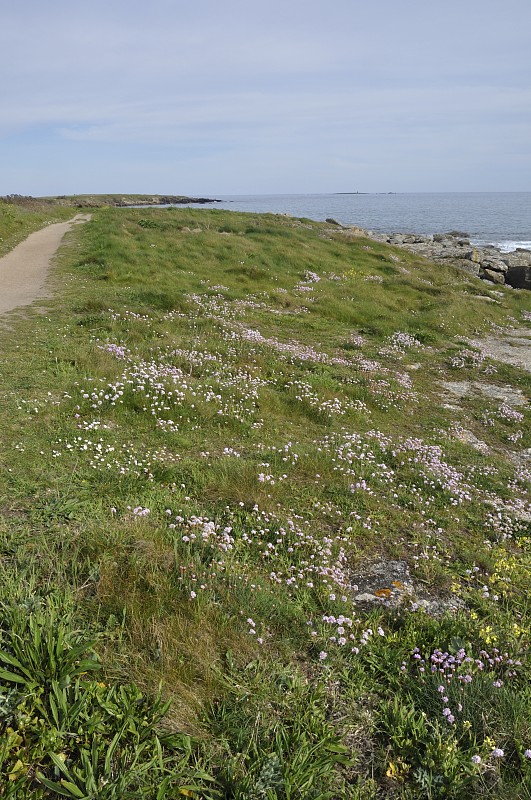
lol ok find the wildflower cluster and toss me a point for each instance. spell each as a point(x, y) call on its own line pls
point(124, 459)
point(293, 349)
point(304, 393)
point(455, 675)
point(348, 635)
point(389, 462)
point(172, 396)
point(399, 342)
point(279, 552)
point(471, 359)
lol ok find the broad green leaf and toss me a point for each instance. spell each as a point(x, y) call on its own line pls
point(11, 676)
point(7, 658)
point(55, 787)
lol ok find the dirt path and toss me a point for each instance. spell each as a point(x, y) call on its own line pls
point(23, 271)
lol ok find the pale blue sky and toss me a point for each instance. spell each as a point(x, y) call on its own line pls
point(283, 96)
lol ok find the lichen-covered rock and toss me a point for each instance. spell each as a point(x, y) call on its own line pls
point(389, 582)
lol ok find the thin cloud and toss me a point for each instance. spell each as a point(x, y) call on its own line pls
point(270, 96)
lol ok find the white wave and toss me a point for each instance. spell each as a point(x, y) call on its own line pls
point(505, 246)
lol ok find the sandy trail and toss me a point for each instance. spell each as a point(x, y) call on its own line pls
point(23, 271)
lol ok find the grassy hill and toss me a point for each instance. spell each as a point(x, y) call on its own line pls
point(264, 521)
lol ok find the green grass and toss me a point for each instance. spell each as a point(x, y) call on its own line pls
point(204, 451)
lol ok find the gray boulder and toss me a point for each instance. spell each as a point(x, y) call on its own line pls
point(495, 264)
point(491, 275)
point(518, 258)
point(472, 267)
point(457, 251)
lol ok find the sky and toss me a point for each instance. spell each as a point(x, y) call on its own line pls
point(211, 97)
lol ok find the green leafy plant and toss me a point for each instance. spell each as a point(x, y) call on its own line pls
point(70, 734)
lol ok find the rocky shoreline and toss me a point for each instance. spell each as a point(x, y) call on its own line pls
point(488, 263)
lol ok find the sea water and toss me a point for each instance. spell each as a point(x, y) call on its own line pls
point(502, 219)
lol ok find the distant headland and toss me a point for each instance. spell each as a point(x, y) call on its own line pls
point(115, 200)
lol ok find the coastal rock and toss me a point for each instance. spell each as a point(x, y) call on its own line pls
point(385, 581)
point(496, 265)
point(488, 263)
point(457, 251)
point(513, 347)
point(518, 258)
point(519, 277)
point(491, 275)
point(472, 267)
point(389, 583)
point(470, 438)
point(413, 238)
point(502, 394)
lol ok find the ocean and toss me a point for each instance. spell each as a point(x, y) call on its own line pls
point(502, 219)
